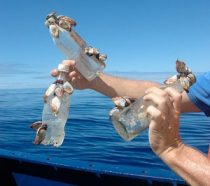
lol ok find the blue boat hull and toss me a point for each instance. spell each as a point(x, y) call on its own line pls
point(24, 169)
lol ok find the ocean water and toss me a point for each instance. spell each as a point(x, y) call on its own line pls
point(90, 135)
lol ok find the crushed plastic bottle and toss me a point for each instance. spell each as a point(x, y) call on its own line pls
point(89, 62)
point(130, 121)
point(50, 131)
point(56, 109)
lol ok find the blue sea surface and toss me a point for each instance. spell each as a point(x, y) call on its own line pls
point(90, 135)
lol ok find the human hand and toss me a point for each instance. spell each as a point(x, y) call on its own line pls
point(74, 76)
point(164, 114)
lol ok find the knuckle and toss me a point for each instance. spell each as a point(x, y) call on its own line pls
point(178, 97)
point(164, 94)
point(151, 89)
point(158, 114)
point(162, 101)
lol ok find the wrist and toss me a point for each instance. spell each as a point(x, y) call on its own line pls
point(170, 154)
point(95, 83)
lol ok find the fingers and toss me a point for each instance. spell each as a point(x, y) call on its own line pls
point(158, 110)
point(164, 118)
point(158, 119)
point(156, 90)
point(54, 72)
point(72, 74)
point(175, 98)
point(163, 103)
point(153, 112)
point(70, 63)
point(167, 96)
point(158, 98)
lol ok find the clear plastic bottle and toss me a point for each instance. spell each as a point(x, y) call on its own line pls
point(89, 62)
point(85, 64)
point(56, 108)
point(73, 46)
point(132, 120)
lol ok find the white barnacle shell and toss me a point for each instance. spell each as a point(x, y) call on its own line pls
point(171, 80)
point(63, 68)
point(192, 79)
point(102, 57)
point(91, 51)
point(59, 91)
point(95, 51)
point(113, 111)
point(36, 125)
point(54, 30)
point(49, 91)
point(68, 87)
point(64, 24)
point(40, 134)
point(55, 105)
point(185, 82)
point(50, 21)
point(119, 102)
point(86, 50)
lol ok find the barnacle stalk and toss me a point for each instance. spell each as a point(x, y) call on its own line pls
point(130, 121)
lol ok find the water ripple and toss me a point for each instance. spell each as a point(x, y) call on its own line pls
point(90, 135)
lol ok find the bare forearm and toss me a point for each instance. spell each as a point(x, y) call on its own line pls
point(187, 105)
point(113, 86)
point(190, 164)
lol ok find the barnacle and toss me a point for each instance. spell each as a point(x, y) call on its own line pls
point(57, 97)
point(131, 120)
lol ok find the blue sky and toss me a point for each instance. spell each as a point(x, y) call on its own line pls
point(137, 35)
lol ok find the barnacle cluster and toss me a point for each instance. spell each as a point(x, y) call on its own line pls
point(89, 62)
point(58, 89)
point(56, 107)
point(58, 24)
point(129, 117)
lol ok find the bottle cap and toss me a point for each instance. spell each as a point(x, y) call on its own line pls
point(63, 68)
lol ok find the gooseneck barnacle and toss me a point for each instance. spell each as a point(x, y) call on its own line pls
point(89, 62)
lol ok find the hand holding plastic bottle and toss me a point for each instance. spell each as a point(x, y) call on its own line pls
point(74, 77)
point(164, 114)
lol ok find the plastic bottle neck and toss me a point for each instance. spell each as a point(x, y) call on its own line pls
point(62, 75)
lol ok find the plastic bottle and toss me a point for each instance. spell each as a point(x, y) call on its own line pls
point(89, 62)
point(130, 121)
point(85, 64)
point(74, 47)
point(56, 108)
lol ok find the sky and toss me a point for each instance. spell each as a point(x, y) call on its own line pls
point(137, 36)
